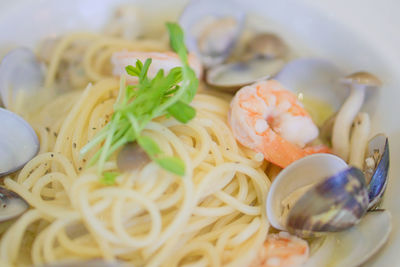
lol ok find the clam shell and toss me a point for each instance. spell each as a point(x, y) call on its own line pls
point(231, 77)
point(356, 245)
point(213, 24)
point(378, 145)
point(21, 75)
point(332, 205)
point(303, 172)
point(11, 205)
point(18, 142)
point(316, 78)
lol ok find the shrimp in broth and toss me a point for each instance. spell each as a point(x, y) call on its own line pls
point(269, 119)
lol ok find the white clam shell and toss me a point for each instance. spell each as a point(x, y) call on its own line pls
point(316, 78)
point(21, 76)
point(304, 172)
point(356, 245)
point(231, 77)
point(18, 142)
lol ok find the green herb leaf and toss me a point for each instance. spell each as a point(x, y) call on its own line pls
point(148, 145)
point(182, 112)
point(167, 94)
point(177, 41)
point(172, 164)
point(109, 178)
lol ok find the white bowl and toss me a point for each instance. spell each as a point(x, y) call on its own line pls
point(355, 34)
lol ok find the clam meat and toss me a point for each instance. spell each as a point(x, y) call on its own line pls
point(336, 197)
point(212, 29)
point(263, 57)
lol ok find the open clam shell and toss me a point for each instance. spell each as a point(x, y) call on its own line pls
point(18, 142)
point(332, 205)
point(315, 78)
point(11, 205)
point(356, 245)
point(376, 168)
point(299, 175)
point(21, 75)
point(212, 29)
point(231, 77)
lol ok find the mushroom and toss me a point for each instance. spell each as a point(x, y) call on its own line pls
point(359, 140)
point(358, 83)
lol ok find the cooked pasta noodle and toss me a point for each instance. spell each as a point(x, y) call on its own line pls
point(212, 216)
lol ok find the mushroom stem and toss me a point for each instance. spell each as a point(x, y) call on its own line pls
point(359, 140)
point(344, 120)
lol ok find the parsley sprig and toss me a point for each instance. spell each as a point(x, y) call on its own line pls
point(136, 105)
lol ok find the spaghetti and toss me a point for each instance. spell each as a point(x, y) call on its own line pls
point(212, 216)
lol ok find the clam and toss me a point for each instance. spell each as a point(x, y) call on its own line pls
point(376, 168)
point(18, 142)
point(212, 29)
point(265, 45)
point(21, 76)
point(231, 77)
point(317, 194)
point(356, 245)
point(263, 58)
point(11, 205)
point(314, 78)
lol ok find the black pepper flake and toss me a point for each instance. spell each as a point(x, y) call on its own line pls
point(84, 160)
point(52, 155)
point(94, 128)
point(80, 168)
point(74, 145)
point(47, 129)
point(55, 134)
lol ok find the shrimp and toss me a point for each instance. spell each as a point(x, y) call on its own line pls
point(282, 250)
point(269, 119)
point(164, 60)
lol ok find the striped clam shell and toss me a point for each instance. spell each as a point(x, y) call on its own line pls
point(378, 149)
point(332, 205)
